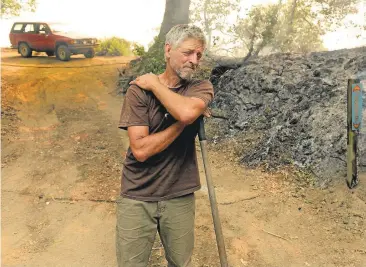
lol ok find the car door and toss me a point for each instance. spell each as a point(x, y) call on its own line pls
point(30, 36)
point(45, 37)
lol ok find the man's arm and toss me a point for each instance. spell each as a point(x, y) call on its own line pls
point(182, 108)
point(144, 146)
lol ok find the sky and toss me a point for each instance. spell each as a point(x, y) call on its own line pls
point(139, 20)
point(133, 20)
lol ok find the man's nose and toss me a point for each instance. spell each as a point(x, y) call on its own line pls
point(194, 59)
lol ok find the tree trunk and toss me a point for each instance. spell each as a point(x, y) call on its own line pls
point(250, 52)
point(176, 12)
point(251, 45)
point(259, 48)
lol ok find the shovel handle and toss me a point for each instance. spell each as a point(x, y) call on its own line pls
point(201, 129)
point(212, 196)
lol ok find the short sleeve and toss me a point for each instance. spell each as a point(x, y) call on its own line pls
point(202, 90)
point(134, 109)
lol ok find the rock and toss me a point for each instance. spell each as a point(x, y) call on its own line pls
point(241, 125)
point(297, 104)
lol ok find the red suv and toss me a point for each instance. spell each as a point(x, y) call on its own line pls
point(50, 38)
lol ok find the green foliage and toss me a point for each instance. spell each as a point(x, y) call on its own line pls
point(293, 26)
point(327, 14)
point(211, 16)
point(114, 47)
point(10, 8)
point(138, 50)
point(153, 60)
point(258, 29)
point(297, 29)
point(152, 64)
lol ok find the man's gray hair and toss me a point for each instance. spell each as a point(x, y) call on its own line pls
point(181, 32)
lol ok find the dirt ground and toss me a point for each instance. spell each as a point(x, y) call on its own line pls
point(61, 164)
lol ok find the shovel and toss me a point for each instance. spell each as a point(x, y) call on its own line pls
point(211, 194)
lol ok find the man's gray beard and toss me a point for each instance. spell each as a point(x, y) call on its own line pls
point(185, 79)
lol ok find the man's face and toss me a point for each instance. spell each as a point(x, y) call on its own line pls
point(185, 58)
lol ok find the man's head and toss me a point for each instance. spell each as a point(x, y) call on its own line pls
point(184, 46)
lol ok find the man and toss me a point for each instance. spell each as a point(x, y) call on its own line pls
point(160, 173)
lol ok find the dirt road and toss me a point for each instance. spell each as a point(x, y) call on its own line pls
point(61, 164)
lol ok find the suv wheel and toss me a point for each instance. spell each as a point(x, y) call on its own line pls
point(50, 54)
point(63, 53)
point(25, 50)
point(90, 53)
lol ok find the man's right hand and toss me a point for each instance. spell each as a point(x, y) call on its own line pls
point(207, 113)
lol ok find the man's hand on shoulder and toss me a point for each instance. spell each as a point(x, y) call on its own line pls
point(147, 81)
point(186, 108)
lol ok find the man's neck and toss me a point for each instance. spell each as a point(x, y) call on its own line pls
point(170, 79)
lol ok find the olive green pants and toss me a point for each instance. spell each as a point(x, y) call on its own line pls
point(138, 221)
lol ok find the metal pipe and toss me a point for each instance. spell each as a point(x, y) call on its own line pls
point(212, 195)
point(352, 138)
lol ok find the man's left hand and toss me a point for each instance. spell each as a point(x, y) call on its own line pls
point(147, 81)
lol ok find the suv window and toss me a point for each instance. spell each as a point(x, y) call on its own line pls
point(17, 27)
point(29, 28)
point(43, 29)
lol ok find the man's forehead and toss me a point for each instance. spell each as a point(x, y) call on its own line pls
point(191, 44)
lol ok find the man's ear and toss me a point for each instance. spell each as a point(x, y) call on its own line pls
point(167, 50)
